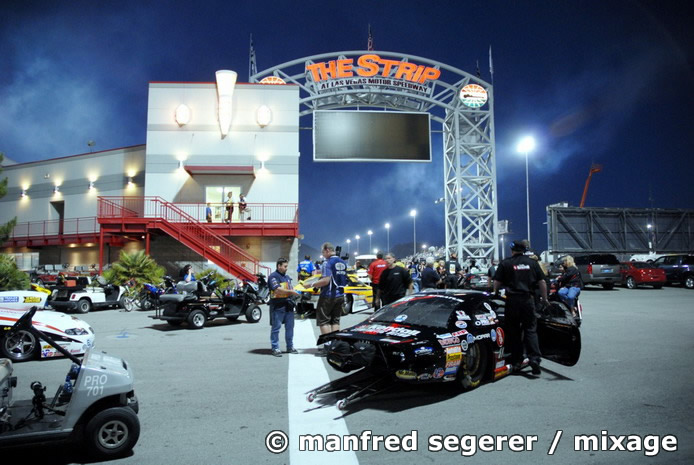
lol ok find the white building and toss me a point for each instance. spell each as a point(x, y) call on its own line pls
point(204, 141)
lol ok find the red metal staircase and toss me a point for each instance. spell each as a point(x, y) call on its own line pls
point(156, 213)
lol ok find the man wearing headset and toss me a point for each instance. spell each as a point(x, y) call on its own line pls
point(520, 275)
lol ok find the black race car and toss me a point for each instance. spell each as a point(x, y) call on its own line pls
point(438, 336)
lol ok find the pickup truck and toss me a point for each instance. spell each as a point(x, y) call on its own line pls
point(678, 269)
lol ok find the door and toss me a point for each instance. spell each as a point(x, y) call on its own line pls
point(59, 207)
point(216, 196)
point(559, 337)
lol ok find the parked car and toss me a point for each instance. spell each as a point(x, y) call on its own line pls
point(636, 273)
point(602, 268)
point(678, 269)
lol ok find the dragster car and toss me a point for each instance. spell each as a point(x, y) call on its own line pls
point(452, 335)
point(73, 334)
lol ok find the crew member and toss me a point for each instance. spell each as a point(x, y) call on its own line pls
point(305, 268)
point(375, 269)
point(453, 271)
point(281, 308)
point(332, 283)
point(519, 274)
point(395, 281)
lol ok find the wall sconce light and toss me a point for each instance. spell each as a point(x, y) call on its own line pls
point(56, 189)
point(263, 116)
point(182, 114)
point(24, 193)
point(226, 80)
point(130, 180)
point(180, 164)
point(91, 185)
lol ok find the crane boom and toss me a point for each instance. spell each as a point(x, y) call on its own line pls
point(593, 169)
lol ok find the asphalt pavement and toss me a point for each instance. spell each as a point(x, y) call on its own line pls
point(213, 396)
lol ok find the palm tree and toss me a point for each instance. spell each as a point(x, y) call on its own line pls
point(136, 267)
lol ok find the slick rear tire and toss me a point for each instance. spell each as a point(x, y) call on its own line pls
point(474, 366)
point(83, 306)
point(21, 346)
point(112, 432)
point(254, 314)
point(196, 319)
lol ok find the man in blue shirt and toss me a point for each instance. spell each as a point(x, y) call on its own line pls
point(305, 268)
point(281, 308)
point(331, 284)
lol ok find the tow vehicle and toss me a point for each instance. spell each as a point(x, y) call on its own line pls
point(95, 407)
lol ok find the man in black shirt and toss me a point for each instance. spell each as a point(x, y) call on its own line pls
point(453, 272)
point(395, 281)
point(520, 275)
point(430, 277)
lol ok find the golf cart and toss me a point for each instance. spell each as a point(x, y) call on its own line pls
point(97, 294)
point(200, 301)
point(96, 406)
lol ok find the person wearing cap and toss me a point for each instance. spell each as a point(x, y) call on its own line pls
point(519, 275)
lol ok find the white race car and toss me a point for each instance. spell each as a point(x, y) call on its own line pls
point(70, 332)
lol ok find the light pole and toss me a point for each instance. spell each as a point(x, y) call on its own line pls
point(413, 214)
point(369, 232)
point(651, 241)
point(349, 248)
point(387, 237)
point(526, 145)
point(503, 250)
point(357, 238)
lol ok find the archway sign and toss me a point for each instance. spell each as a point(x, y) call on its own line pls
point(461, 103)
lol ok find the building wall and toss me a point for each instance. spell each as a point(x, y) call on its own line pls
point(109, 170)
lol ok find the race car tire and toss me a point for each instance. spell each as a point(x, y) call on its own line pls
point(83, 306)
point(21, 346)
point(174, 323)
point(112, 432)
point(347, 304)
point(608, 286)
point(254, 314)
point(196, 319)
point(631, 283)
point(126, 303)
point(689, 282)
point(474, 366)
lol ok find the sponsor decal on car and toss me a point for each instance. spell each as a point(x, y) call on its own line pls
point(32, 300)
point(464, 345)
point(462, 332)
point(389, 330)
point(443, 336)
point(423, 351)
point(424, 377)
point(10, 298)
point(461, 315)
point(461, 324)
point(470, 339)
point(400, 318)
point(492, 334)
point(406, 374)
point(487, 306)
point(449, 341)
point(500, 337)
point(449, 378)
point(500, 364)
point(438, 373)
point(482, 336)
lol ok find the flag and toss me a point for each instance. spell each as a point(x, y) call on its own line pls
point(370, 44)
point(252, 67)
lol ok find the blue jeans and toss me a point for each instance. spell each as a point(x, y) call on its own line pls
point(568, 295)
point(279, 315)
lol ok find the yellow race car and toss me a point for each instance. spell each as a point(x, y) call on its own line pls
point(355, 290)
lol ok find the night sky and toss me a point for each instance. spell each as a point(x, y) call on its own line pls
point(606, 82)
